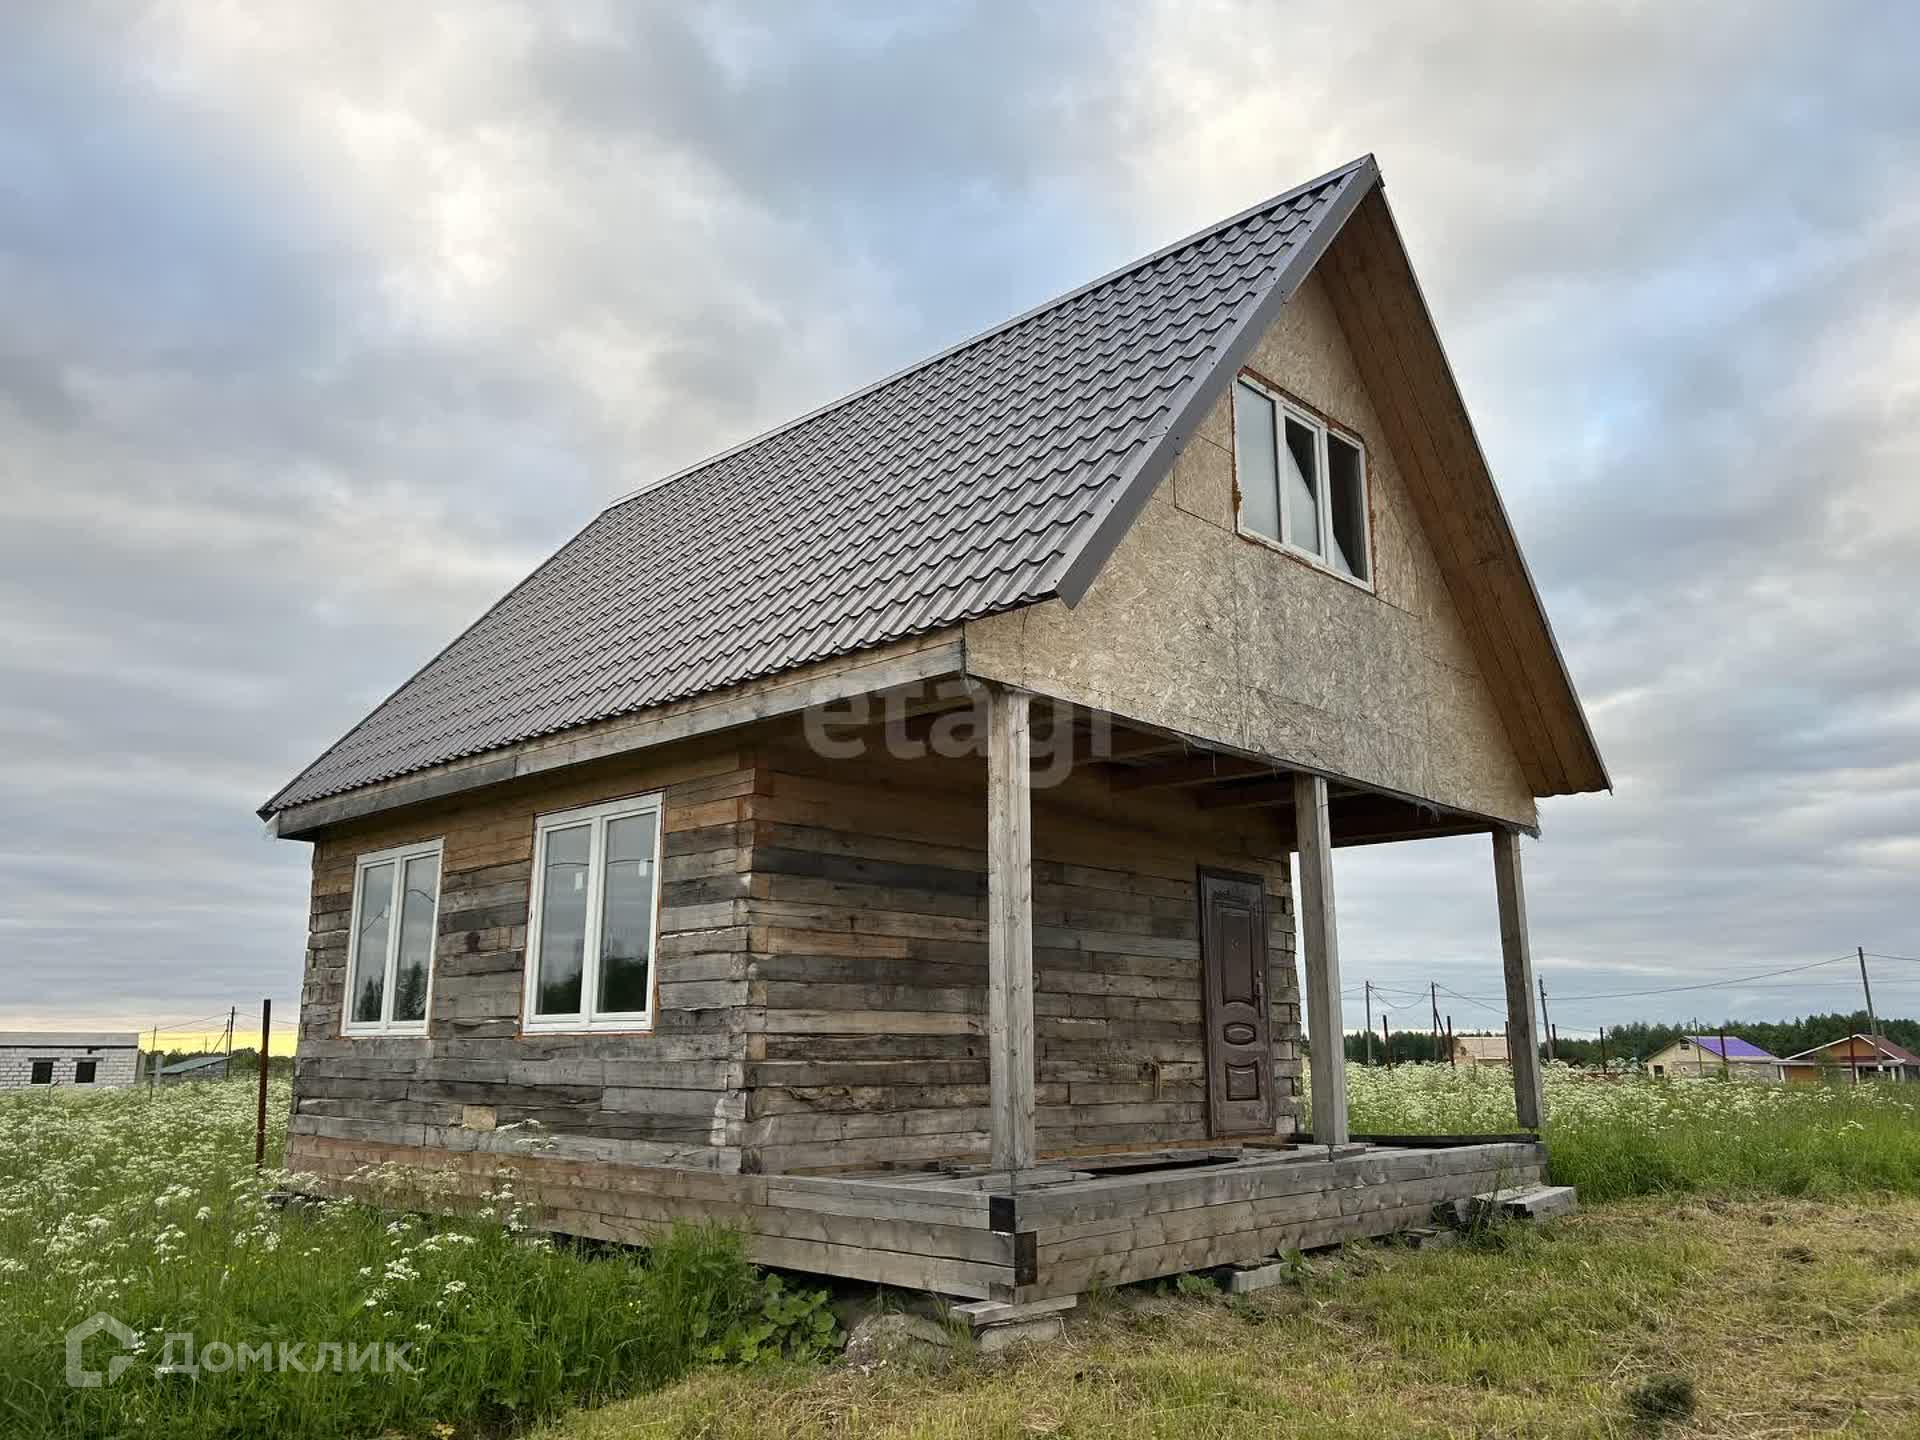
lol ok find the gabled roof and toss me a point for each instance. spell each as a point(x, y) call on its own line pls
point(197, 1062)
point(1899, 1054)
point(1736, 1048)
point(997, 474)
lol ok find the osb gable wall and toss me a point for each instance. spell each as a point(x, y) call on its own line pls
point(1195, 627)
point(869, 962)
point(670, 1097)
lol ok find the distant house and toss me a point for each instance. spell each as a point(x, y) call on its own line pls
point(198, 1067)
point(1480, 1050)
point(1870, 1057)
point(38, 1057)
point(1696, 1055)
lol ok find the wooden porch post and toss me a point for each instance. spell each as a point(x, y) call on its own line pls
point(1327, 1064)
point(1010, 930)
point(1523, 1028)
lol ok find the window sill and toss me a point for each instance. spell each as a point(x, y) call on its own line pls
point(384, 1032)
point(1304, 557)
point(624, 1025)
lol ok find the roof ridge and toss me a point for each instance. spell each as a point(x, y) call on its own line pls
point(1339, 172)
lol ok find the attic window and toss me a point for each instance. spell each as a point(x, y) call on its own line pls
point(1303, 486)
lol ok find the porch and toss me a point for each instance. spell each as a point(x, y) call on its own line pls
point(1050, 1232)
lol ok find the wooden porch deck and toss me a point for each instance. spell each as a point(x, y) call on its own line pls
point(1064, 1229)
point(1058, 1229)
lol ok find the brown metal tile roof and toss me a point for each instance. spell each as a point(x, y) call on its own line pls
point(998, 473)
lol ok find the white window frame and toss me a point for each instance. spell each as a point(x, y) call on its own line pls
point(387, 1025)
point(1286, 409)
point(587, 1018)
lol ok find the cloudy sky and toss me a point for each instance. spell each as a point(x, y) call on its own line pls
point(323, 324)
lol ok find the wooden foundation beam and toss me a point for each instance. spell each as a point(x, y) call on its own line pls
point(1010, 1049)
point(1523, 1026)
point(1327, 1062)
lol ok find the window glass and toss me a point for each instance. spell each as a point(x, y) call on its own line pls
point(42, 1073)
point(1347, 500)
point(1258, 471)
point(627, 915)
point(1302, 487)
point(418, 899)
point(563, 920)
point(370, 945)
point(83, 1071)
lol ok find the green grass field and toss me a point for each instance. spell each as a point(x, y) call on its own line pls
point(1751, 1251)
point(1625, 1136)
point(146, 1207)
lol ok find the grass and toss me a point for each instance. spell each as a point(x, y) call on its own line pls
point(1725, 1290)
point(1751, 1318)
point(147, 1207)
point(1628, 1135)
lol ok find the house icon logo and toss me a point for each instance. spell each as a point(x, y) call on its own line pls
point(81, 1378)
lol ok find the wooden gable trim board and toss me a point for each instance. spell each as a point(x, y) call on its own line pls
point(1399, 350)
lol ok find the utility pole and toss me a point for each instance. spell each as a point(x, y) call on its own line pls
point(1603, 1049)
point(1386, 1039)
point(260, 1112)
point(1453, 1060)
point(1369, 1030)
point(1433, 997)
point(233, 1013)
point(1726, 1066)
point(1546, 1022)
point(1873, 1025)
point(153, 1065)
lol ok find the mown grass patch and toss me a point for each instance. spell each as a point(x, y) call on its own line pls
point(1641, 1319)
point(146, 1207)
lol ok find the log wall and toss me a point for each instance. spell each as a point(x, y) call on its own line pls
point(671, 1097)
point(868, 916)
point(822, 970)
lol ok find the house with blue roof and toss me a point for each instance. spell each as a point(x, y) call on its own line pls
point(1727, 1056)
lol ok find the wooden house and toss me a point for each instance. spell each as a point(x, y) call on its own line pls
point(194, 1069)
point(1472, 1050)
point(1701, 1056)
point(882, 834)
point(1851, 1058)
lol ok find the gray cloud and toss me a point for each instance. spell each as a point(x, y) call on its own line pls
point(325, 325)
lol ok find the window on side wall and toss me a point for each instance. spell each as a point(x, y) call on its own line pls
point(84, 1071)
point(396, 905)
point(590, 933)
point(42, 1073)
point(1302, 485)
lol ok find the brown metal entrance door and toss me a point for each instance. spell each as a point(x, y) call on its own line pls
point(1233, 963)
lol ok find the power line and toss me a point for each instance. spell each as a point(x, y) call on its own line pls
point(1471, 1000)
